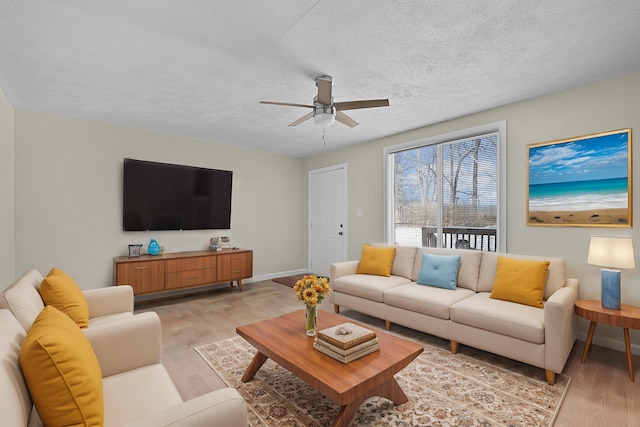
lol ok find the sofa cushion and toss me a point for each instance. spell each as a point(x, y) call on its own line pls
point(427, 300)
point(376, 261)
point(23, 299)
point(439, 270)
point(367, 286)
point(403, 261)
point(520, 281)
point(467, 272)
point(502, 317)
point(15, 401)
point(138, 393)
point(556, 275)
point(61, 291)
point(62, 371)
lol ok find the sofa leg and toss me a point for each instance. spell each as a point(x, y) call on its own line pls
point(551, 377)
point(387, 324)
point(454, 347)
point(336, 308)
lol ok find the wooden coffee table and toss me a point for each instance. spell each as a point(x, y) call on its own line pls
point(284, 340)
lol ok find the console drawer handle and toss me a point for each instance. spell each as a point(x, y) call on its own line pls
point(141, 268)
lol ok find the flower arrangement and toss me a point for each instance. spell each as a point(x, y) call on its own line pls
point(312, 289)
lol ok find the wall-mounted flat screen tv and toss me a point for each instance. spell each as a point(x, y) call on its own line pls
point(163, 196)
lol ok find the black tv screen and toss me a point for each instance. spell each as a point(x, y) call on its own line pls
point(163, 196)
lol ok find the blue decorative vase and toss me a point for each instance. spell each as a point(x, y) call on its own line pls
point(153, 248)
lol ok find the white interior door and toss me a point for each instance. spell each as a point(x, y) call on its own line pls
point(327, 218)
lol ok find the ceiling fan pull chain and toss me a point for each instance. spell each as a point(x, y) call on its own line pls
point(324, 143)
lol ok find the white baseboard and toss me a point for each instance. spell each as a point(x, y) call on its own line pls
point(610, 343)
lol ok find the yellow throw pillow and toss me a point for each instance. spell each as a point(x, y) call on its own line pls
point(61, 291)
point(376, 261)
point(62, 372)
point(520, 281)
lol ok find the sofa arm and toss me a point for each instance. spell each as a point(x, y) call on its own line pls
point(560, 325)
point(224, 407)
point(111, 300)
point(127, 344)
point(344, 268)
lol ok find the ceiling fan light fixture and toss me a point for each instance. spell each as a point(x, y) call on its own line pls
point(325, 112)
point(324, 115)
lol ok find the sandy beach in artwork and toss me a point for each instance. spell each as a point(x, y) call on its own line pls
point(586, 217)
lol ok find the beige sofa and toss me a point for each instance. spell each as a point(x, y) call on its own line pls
point(137, 389)
point(541, 337)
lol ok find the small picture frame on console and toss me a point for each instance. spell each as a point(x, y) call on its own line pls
point(134, 250)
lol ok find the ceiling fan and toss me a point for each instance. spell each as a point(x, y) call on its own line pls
point(325, 111)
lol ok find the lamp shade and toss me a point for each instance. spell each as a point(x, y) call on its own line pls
point(611, 252)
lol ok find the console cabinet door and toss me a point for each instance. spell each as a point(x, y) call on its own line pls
point(144, 276)
point(235, 266)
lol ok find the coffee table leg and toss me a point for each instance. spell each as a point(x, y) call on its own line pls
point(256, 363)
point(390, 389)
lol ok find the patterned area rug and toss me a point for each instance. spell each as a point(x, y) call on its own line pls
point(472, 388)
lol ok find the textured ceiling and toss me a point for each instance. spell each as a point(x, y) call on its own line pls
point(199, 68)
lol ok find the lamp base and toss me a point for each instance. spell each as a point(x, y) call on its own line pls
point(611, 289)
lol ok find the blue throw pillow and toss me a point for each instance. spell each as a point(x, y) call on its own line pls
point(439, 270)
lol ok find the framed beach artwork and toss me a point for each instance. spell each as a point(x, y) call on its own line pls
point(581, 182)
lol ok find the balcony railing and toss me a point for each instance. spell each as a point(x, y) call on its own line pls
point(483, 239)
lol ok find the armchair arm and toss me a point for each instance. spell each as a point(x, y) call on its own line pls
point(111, 300)
point(560, 325)
point(127, 344)
point(224, 407)
point(344, 268)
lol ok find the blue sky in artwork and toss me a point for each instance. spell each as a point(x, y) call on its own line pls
point(594, 158)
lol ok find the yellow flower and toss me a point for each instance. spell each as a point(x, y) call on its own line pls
point(311, 289)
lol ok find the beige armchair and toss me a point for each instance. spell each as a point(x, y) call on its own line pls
point(105, 304)
point(137, 389)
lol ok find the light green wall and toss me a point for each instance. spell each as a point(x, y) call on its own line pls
point(7, 235)
point(608, 105)
point(68, 204)
point(68, 176)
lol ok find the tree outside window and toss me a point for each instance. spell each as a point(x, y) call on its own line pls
point(445, 194)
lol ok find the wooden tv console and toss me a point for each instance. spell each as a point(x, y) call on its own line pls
point(149, 274)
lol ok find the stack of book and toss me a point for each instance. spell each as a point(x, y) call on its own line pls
point(346, 342)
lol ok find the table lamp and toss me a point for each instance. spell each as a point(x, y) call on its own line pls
point(612, 253)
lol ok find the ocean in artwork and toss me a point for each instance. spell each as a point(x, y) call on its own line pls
point(579, 195)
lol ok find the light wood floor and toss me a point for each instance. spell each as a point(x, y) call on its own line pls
point(600, 393)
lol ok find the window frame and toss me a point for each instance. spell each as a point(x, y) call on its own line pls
point(499, 128)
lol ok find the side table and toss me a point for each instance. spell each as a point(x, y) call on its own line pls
point(627, 317)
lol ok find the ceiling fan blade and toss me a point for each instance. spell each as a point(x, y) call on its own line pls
point(324, 84)
point(355, 105)
point(302, 119)
point(345, 120)
point(286, 104)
